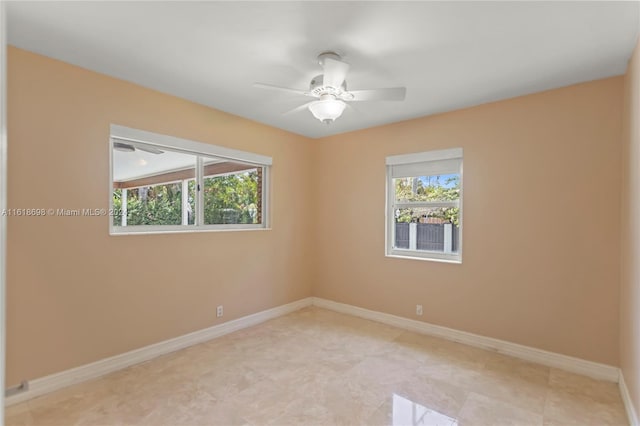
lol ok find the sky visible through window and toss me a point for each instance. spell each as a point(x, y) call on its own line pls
point(444, 181)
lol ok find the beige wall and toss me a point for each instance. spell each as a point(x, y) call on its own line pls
point(541, 221)
point(541, 237)
point(630, 251)
point(76, 294)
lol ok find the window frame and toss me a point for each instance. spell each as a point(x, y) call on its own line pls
point(421, 161)
point(199, 150)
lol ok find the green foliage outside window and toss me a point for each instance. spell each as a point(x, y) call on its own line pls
point(428, 188)
point(231, 198)
point(151, 205)
point(117, 207)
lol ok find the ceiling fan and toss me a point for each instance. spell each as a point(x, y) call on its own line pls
point(330, 90)
point(129, 147)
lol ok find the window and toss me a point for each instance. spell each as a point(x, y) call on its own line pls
point(424, 205)
point(165, 184)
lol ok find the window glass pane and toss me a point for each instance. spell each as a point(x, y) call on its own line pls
point(155, 205)
point(424, 205)
point(192, 201)
point(168, 184)
point(444, 187)
point(117, 207)
point(152, 178)
point(427, 229)
point(232, 193)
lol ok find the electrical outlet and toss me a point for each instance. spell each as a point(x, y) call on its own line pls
point(418, 309)
point(219, 311)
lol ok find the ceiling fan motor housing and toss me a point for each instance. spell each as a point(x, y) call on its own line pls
point(328, 54)
point(317, 87)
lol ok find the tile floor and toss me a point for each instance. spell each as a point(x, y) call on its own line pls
point(316, 367)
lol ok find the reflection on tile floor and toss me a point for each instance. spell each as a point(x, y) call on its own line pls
point(317, 367)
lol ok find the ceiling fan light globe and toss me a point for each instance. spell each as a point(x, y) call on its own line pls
point(327, 109)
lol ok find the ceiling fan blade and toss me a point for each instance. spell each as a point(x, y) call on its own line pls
point(390, 94)
point(351, 108)
point(300, 108)
point(149, 149)
point(131, 146)
point(123, 147)
point(281, 89)
point(334, 72)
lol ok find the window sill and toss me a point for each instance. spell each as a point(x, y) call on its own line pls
point(182, 231)
point(428, 259)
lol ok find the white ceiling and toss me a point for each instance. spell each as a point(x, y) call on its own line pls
point(137, 164)
point(449, 55)
point(128, 165)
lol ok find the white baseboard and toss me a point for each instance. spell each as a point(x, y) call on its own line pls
point(550, 359)
point(96, 369)
point(628, 403)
